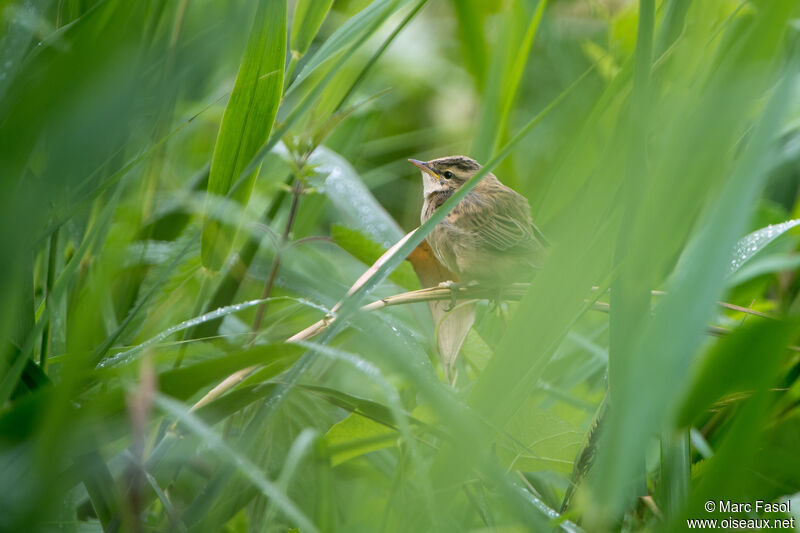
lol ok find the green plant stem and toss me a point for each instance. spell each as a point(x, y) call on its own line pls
point(198, 309)
point(52, 256)
point(297, 190)
point(233, 278)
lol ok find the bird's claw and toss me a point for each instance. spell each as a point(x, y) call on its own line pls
point(454, 288)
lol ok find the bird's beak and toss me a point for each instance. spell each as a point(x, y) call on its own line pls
point(423, 166)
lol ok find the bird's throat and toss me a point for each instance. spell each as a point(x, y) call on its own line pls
point(434, 200)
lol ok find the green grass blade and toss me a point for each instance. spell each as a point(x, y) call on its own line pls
point(675, 470)
point(514, 76)
point(679, 322)
point(241, 462)
point(630, 296)
point(471, 15)
point(131, 354)
point(247, 121)
point(508, 65)
point(747, 362)
point(353, 32)
point(308, 17)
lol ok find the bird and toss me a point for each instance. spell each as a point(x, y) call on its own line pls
point(489, 236)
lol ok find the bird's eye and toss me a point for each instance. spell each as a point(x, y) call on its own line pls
point(448, 175)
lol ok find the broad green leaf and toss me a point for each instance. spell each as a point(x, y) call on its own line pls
point(476, 351)
point(752, 361)
point(546, 441)
point(308, 17)
point(740, 362)
point(182, 382)
point(767, 264)
point(348, 193)
point(371, 409)
point(301, 447)
point(247, 121)
point(223, 408)
point(356, 435)
point(368, 251)
point(100, 486)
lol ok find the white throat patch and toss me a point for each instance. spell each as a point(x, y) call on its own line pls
point(430, 184)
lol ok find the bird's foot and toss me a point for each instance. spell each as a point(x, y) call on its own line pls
point(454, 287)
point(496, 302)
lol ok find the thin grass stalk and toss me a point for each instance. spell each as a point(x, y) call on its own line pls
point(235, 275)
point(512, 293)
point(297, 191)
point(52, 256)
point(517, 69)
point(165, 114)
point(198, 309)
point(93, 237)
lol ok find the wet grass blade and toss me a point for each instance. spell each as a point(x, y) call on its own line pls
point(247, 121)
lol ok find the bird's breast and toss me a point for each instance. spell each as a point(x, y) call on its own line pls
point(433, 201)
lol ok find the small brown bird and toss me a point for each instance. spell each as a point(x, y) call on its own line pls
point(489, 236)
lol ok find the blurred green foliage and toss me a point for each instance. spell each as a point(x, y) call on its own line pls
point(658, 143)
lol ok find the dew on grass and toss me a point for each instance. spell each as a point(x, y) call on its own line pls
point(751, 244)
point(129, 355)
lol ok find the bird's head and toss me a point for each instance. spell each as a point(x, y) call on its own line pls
point(445, 173)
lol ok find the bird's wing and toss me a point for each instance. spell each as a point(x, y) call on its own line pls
point(501, 221)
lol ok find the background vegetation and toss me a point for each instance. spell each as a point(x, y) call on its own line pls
point(186, 185)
